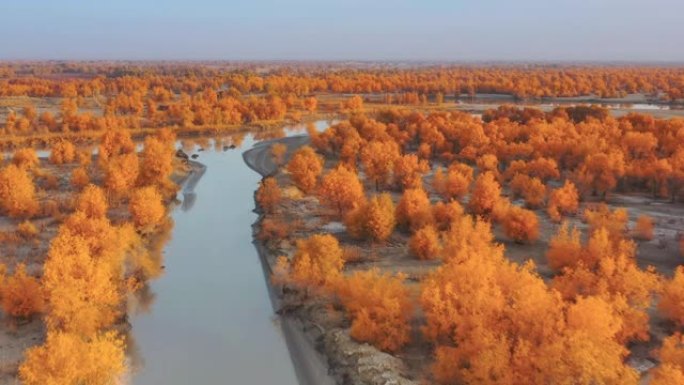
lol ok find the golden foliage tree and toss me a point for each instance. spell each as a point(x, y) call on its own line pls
point(92, 202)
point(671, 368)
point(268, 195)
point(489, 319)
point(304, 167)
point(17, 192)
point(456, 182)
point(317, 261)
point(62, 152)
point(521, 225)
point(601, 216)
point(485, 194)
point(146, 208)
point(672, 299)
point(607, 268)
point(600, 172)
point(425, 243)
point(83, 293)
point(156, 164)
point(121, 174)
point(446, 213)
point(409, 170)
point(414, 210)
point(563, 201)
point(532, 189)
point(341, 189)
point(115, 143)
point(378, 159)
point(22, 295)
point(25, 158)
point(644, 228)
point(469, 237)
point(67, 358)
point(380, 217)
point(565, 248)
point(374, 219)
point(79, 178)
point(380, 308)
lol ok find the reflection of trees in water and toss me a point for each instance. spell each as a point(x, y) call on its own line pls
point(189, 195)
point(147, 266)
point(275, 133)
point(237, 139)
point(143, 299)
point(136, 361)
point(188, 201)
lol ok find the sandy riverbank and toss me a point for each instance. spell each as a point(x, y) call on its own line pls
point(310, 365)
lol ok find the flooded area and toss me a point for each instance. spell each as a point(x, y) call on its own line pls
point(211, 320)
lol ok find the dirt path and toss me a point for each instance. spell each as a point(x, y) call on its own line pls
point(310, 365)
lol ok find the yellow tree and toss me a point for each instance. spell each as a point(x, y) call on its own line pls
point(21, 294)
point(156, 164)
point(379, 217)
point(304, 167)
point(672, 299)
point(414, 210)
point(446, 213)
point(380, 308)
point(565, 248)
point(563, 201)
point(486, 193)
point(114, 143)
point(83, 293)
point(62, 152)
point(92, 202)
point(147, 208)
point(121, 174)
point(68, 358)
point(457, 181)
point(521, 225)
point(409, 170)
point(531, 189)
point(600, 172)
point(317, 261)
point(79, 178)
point(268, 195)
point(643, 229)
point(671, 368)
point(378, 159)
point(341, 189)
point(17, 192)
point(25, 158)
point(425, 243)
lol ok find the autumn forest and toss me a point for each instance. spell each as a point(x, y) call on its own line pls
point(428, 224)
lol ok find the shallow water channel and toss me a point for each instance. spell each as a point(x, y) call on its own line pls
point(211, 319)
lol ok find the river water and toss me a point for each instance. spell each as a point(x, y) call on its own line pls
point(211, 321)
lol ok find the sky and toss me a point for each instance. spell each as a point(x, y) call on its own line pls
point(444, 30)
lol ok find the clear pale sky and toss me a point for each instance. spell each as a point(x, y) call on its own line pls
point(527, 30)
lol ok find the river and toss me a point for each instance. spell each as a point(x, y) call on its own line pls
point(211, 321)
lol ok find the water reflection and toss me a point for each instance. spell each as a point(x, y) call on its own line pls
point(208, 319)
